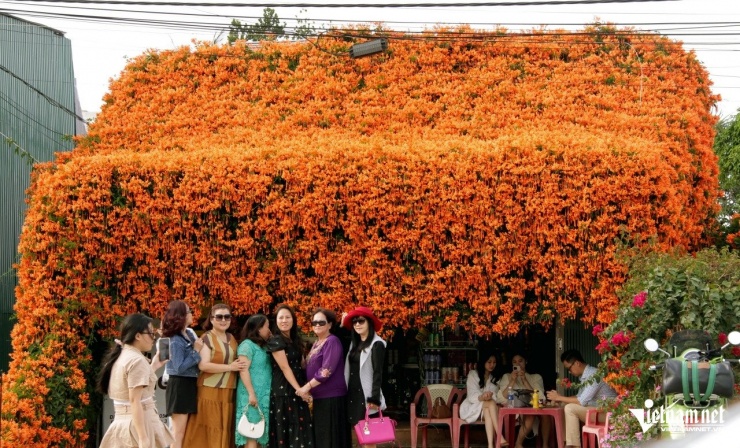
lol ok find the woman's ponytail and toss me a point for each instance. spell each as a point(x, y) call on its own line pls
point(110, 358)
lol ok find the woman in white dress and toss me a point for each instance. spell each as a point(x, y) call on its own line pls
point(482, 387)
point(519, 378)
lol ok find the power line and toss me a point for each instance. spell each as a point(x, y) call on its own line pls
point(220, 26)
point(223, 26)
point(535, 38)
point(694, 24)
point(698, 35)
point(352, 5)
point(51, 100)
point(11, 108)
point(702, 24)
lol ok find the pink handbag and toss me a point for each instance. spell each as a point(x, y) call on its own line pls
point(375, 430)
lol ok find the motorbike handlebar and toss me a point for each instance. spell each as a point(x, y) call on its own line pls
point(711, 354)
point(656, 367)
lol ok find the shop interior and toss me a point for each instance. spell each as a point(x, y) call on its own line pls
point(417, 358)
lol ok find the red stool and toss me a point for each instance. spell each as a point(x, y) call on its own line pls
point(594, 430)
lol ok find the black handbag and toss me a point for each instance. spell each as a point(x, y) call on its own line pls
point(701, 379)
point(523, 398)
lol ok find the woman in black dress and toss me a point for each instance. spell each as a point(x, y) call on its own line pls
point(290, 419)
point(363, 370)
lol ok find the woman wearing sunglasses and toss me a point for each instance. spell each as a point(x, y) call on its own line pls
point(363, 370)
point(325, 373)
point(213, 425)
point(182, 386)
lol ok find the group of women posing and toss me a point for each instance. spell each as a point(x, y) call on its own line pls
point(336, 386)
point(486, 388)
point(268, 369)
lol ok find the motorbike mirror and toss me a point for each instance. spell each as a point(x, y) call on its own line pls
point(651, 345)
point(734, 337)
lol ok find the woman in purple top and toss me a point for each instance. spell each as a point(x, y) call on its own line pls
point(325, 373)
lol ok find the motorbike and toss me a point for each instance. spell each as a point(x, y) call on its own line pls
point(697, 384)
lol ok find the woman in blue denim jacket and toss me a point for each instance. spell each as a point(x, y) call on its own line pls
point(182, 386)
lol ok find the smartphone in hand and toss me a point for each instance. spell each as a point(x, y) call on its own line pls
point(516, 368)
point(163, 345)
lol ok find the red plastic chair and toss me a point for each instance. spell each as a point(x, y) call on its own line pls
point(594, 429)
point(430, 393)
point(458, 423)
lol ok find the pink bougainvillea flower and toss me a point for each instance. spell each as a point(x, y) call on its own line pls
point(620, 339)
point(598, 329)
point(603, 347)
point(639, 300)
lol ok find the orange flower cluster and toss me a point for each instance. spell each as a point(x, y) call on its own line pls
point(488, 181)
point(733, 239)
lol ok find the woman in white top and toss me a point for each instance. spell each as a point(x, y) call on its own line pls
point(129, 379)
point(482, 386)
point(520, 379)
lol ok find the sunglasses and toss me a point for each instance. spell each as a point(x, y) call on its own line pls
point(318, 323)
point(220, 317)
point(358, 320)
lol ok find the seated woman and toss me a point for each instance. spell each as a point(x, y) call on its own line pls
point(520, 379)
point(482, 385)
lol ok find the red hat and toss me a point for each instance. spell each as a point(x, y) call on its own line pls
point(364, 312)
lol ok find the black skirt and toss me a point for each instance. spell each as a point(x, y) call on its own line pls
point(330, 424)
point(182, 395)
point(290, 423)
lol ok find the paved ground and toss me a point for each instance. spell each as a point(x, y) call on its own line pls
point(438, 437)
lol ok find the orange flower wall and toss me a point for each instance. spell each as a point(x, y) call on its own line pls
point(487, 180)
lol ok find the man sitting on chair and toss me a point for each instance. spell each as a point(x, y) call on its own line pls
point(576, 407)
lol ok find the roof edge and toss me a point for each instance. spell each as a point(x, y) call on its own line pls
point(54, 30)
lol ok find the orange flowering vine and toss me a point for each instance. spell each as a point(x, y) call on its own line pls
point(488, 182)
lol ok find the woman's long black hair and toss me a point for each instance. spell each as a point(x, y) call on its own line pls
point(358, 345)
point(481, 369)
point(132, 325)
point(251, 329)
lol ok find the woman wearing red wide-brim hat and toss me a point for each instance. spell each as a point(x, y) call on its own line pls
point(363, 370)
point(364, 312)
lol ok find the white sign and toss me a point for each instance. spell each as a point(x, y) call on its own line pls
point(679, 419)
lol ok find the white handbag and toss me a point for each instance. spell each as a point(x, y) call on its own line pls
point(251, 430)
